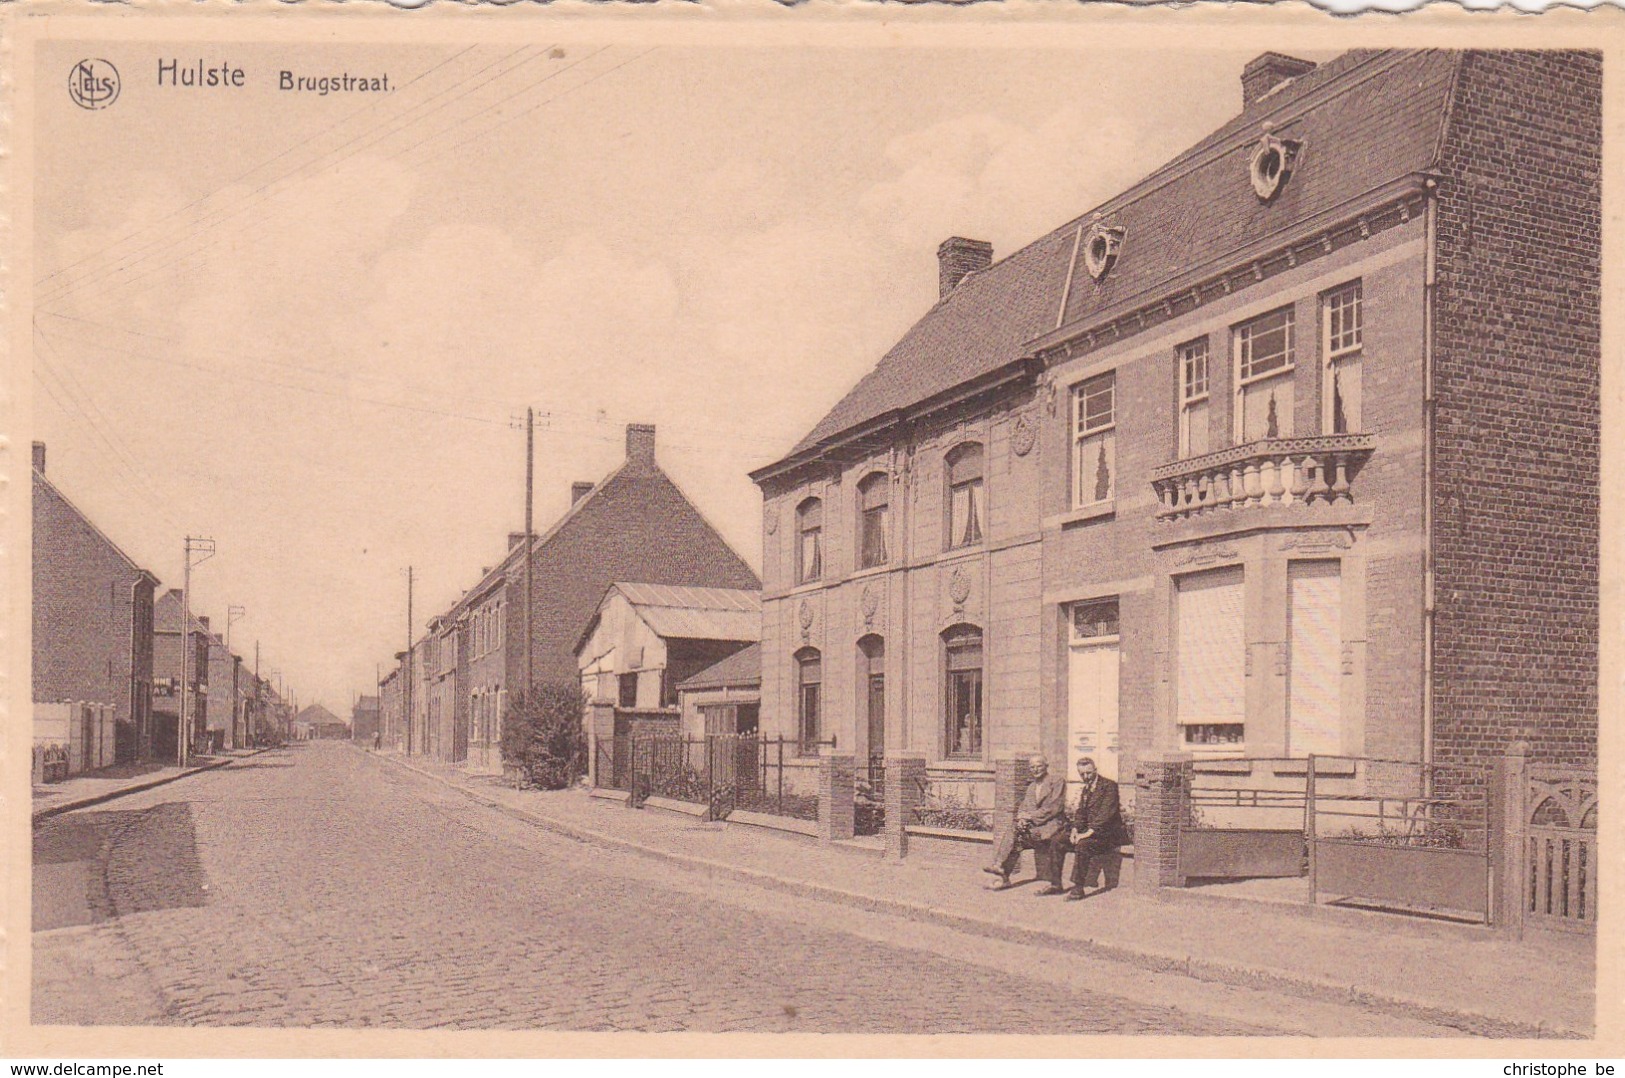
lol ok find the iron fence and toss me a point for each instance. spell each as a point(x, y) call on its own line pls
point(955, 803)
point(723, 772)
point(869, 797)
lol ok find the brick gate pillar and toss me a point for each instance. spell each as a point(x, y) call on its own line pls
point(1011, 777)
point(905, 784)
point(1508, 839)
point(1161, 805)
point(837, 787)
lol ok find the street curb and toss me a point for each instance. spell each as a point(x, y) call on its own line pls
point(1236, 974)
point(96, 799)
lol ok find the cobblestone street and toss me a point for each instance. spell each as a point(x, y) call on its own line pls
point(318, 886)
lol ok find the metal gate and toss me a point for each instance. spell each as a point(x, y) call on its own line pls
point(1245, 820)
point(1399, 834)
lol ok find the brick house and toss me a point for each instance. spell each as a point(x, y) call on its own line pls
point(1290, 448)
point(166, 668)
point(364, 719)
point(92, 620)
point(634, 524)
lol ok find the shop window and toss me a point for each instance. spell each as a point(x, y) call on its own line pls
point(1094, 458)
point(1264, 351)
point(962, 704)
point(965, 508)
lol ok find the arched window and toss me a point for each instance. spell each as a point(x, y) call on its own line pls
point(962, 698)
point(809, 684)
point(809, 540)
point(874, 503)
point(965, 506)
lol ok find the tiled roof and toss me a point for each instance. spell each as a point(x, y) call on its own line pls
point(1365, 118)
point(741, 669)
point(42, 483)
point(722, 599)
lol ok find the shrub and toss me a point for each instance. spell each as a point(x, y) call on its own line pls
point(542, 736)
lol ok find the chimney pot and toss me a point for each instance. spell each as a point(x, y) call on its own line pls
point(958, 258)
point(581, 490)
point(640, 444)
point(1265, 72)
point(39, 457)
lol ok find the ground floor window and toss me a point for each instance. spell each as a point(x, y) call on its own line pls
point(809, 685)
point(962, 715)
point(1211, 658)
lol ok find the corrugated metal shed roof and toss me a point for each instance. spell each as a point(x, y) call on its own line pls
point(741, 669)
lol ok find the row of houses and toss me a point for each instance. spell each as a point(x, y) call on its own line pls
point(1291, 448)
point(107, 652)
point(631, 591)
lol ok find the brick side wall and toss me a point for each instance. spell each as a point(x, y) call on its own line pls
point(87, 611)
point(638, 528)
point(1517, 361)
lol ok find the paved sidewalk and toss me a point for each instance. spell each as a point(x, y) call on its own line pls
point(1461, 976)
point(77, 792)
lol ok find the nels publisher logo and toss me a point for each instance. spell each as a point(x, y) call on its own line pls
point(93, 84)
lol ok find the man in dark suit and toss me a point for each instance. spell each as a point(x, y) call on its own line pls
point(1097, 825)
point(1040, 826)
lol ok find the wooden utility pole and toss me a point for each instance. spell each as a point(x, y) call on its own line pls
point(408, 660)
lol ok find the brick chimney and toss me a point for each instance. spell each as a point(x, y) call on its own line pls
point(39, 457)
point(640, 445)
point(1265, 72)
point(958, 258)
point(514, 539)
point(203, 620)
point(579, 490)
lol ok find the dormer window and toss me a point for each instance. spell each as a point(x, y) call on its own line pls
point(1271, 165)
point(1100, 246)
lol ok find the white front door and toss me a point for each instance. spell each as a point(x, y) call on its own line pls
point(1092, 707)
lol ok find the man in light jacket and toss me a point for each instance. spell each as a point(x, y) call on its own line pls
point(1040, 827)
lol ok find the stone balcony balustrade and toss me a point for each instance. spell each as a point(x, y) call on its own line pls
point(1280, 471)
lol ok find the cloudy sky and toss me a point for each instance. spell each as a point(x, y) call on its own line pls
point(302, 325)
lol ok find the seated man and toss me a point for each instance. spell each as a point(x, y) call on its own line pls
point(1040, 826)
point(1097, 825)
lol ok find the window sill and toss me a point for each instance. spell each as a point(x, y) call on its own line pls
point(964, 763)
point(869, 571)
point(1098, 511)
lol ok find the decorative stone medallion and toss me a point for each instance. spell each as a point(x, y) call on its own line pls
point(870, 603)
point(958, 587)
point(806, 615)
point(1022, 438)
point(772, 521)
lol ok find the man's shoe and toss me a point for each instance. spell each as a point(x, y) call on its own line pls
point(1047, 891)
point(1076, 894)
point(993, 871)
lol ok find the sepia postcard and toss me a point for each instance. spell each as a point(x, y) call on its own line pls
point(851, 530)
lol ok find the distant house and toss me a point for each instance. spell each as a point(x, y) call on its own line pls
point(364, 719)
point(634, 524)
point(647, 638)
point(92, 649)
point(316, 722)
point(166, 665)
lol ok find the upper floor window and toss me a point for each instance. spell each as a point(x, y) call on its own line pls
point(874, 498)
point(1193, 398)
point(1094, 433)
point(627, 691)
point(965, 495)
point(1343, 318)
point(809, 540)
point(1264, 363)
